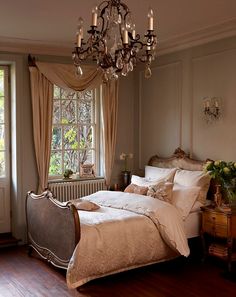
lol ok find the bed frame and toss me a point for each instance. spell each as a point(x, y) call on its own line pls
point(53, 228)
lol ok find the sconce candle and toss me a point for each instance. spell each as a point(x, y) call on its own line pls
point(211, 108)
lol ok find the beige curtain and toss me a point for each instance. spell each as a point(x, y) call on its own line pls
point(42, 94)
point(63, 75)
point(109, 110)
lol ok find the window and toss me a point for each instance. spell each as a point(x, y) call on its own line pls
point(4, 124)
point(75, 130)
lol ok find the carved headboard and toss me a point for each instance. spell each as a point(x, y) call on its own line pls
point(179, 160)
point(182, 160)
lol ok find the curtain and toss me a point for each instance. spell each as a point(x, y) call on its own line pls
point(63, 75)
point(109, 111)
point(41, 94)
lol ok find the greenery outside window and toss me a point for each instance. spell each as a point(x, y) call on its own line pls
point(75, 130)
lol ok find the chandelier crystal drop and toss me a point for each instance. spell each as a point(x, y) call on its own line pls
point(113, 42)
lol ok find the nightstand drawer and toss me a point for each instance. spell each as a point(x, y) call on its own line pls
point(215, 224)
point(215, 230)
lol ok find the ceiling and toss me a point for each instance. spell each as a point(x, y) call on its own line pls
point(30, 24)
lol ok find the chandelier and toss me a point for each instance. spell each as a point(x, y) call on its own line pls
point(113, 42)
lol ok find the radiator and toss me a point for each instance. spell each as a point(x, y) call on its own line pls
point(64, 191)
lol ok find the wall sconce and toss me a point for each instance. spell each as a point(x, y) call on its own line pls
point(212, 110)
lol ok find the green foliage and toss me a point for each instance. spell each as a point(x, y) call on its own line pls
point(55, 165)
point(225, 174)
point(1, 144)
point(68, 173)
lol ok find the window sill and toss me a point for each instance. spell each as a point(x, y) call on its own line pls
point(61, 180)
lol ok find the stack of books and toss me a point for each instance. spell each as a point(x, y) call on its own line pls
point(219, 250)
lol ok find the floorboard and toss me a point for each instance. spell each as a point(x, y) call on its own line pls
point(23, 276)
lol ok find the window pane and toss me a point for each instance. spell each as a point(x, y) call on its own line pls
point(56, 112)
point(85, 137)
point(87, 95)
point(55, 163)
point(1, 110)
point(2, 142)
point(85, 112)
point(70, 138)
point(71, 160)
point(68, 111)
point(68, 94)
point(86, 156)
point(1, 83)
point(56, 138)
point(2, 164)
point(56, 93)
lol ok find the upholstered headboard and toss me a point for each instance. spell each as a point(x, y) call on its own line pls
point(179, 160)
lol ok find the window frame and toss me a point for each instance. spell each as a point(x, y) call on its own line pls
point(96, 124)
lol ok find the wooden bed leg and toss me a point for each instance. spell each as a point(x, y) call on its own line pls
point(30, 250)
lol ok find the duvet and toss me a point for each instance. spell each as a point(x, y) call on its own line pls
point(127, 231)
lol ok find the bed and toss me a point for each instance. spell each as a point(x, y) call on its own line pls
point(111, 231)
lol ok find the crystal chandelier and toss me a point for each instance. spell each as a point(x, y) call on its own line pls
point(113, 42)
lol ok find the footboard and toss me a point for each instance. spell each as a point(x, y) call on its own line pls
point(53, 228)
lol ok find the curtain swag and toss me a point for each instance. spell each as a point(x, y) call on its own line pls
point(42, 79)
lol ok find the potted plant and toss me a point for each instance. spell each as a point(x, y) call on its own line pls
point(224, 174)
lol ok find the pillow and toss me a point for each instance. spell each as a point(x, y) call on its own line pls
point(194, 178)
point(132, 188)
point(143, 181)
point(84, 205)
point(161, 191)
point(167, 174)
point(184, 198)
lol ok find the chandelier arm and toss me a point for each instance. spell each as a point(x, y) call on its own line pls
point(125, 7)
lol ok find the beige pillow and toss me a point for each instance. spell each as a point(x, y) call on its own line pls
point(161, 191)
point(81, 204)
point(190, 178)
point(154, 173)
point(132, 188)
point(184, 198)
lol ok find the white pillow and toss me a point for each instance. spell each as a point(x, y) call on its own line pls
point(143, 181)
point(190, 178)
point(167, 174)
point(184, 198)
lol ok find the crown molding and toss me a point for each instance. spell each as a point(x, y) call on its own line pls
point(176, 43)
point(195, 38)
point(26, 46)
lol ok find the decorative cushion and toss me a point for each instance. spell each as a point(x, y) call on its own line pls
point(167, 174)
point(190, 178)
point(81, 204)
point(161, 191)
point(132, 188)
point(184, 198)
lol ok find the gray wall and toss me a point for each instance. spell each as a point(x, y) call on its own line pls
point(169, 106)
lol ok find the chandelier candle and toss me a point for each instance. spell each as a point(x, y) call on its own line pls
point(113, 42)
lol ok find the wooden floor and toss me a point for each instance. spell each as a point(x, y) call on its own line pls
point(21, 275)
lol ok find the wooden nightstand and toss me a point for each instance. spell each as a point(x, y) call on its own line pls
point(220, 228)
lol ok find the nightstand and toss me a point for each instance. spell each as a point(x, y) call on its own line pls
point(220, 228)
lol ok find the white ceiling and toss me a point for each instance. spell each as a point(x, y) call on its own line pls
point(52, 23)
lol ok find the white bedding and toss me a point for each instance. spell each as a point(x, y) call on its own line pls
point(128, 231)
